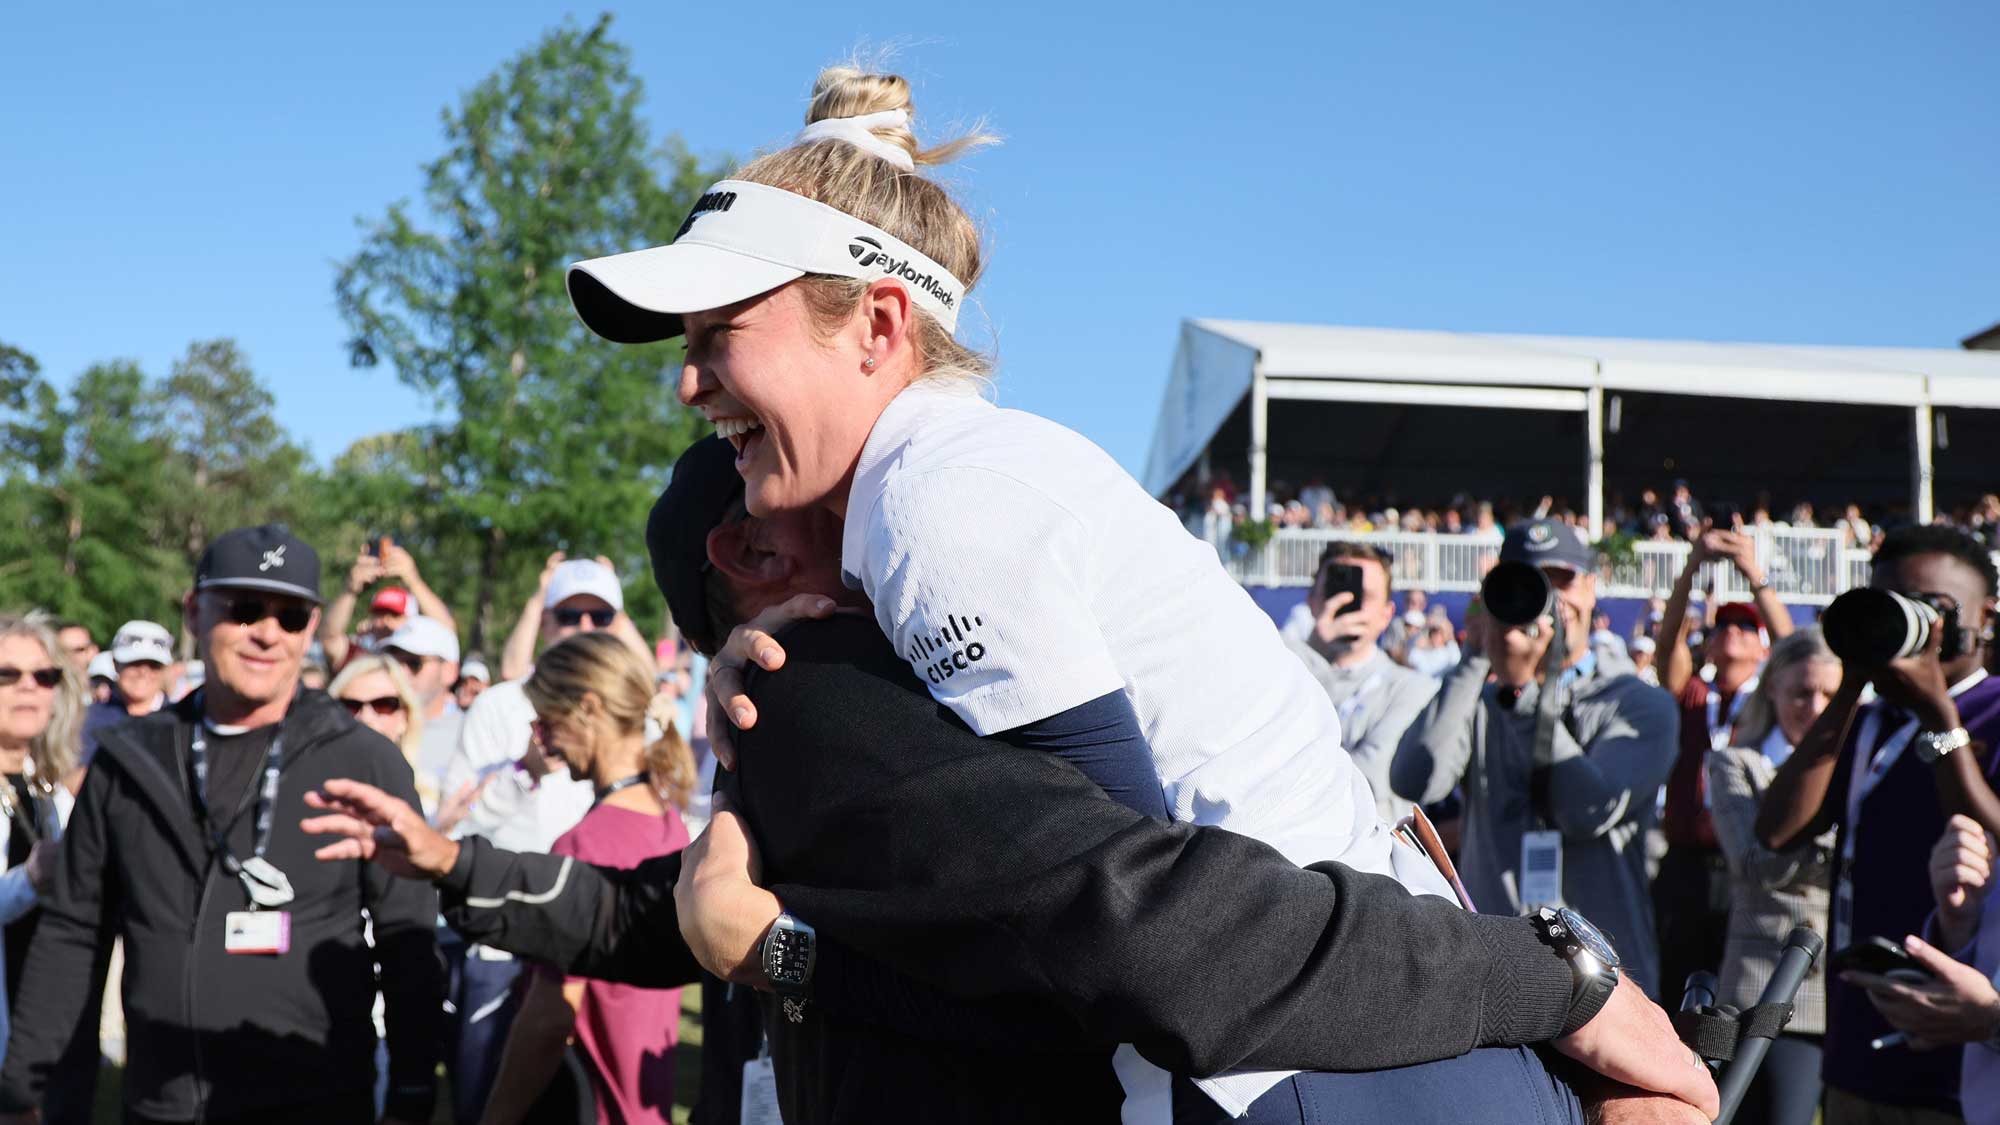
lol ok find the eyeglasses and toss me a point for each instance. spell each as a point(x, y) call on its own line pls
point(46, 677)
point(386, 705)
point(244, 610)
point(571, 618)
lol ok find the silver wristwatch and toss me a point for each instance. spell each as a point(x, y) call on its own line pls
point(1932, 745)
point(788, 955)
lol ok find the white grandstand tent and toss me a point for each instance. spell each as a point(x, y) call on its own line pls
point(1404, 411)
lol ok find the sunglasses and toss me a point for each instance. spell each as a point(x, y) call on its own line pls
point(292, 618)
point(571, 618)
point(46, 677)
point(386, 705)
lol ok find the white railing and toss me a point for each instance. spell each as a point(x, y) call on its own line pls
point(1805, 566)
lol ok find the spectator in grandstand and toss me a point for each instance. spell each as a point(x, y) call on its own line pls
point(525, 808)
point(140, 651)
point(592, 697)
point(1563, 764)
point(387, 610)
point(1316, 495)
point(1643, 649)
point(1802, 515)
point(1435, 651)
point(246, 995)
point(473, 678)
point(1691, 892)
point(1888, 774)
point(1374, 697)
point(1771, 892)
point(1854, 528)
point(427, 649)
point(78, 646)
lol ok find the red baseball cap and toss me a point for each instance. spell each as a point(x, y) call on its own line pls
point(393, 599)
point(1739, 613)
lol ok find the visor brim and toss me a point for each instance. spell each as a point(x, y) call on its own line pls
point(640, 297)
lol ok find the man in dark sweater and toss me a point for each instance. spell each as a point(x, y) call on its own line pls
point(248, 981)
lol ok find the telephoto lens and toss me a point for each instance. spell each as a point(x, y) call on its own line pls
point(1516, 593)
point(1867, 626)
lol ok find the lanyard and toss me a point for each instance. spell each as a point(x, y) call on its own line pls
point(1347, 707)
point(1718, 732)
point(622, 783)
point(267, 798)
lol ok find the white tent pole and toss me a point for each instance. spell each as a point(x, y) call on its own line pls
point(1923, 502)
point(1260, 405)
point(1593, 426)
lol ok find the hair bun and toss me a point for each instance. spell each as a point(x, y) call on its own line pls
point(849, 91)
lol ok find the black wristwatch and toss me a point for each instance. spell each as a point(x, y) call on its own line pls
point(1590, 957)
point(788, 955)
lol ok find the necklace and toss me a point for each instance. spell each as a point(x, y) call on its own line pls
point(604, 791)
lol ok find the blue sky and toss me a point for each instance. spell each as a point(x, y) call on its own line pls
point(1797, 172)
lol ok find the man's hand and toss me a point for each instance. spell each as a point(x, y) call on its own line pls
point(1516, 651)
point(1327, 624)
point(397, 563)
point(1635, 1107)
point(366, 571)
point(555, 560)
point(1917, 685)
point(1961, 871)
point(1632, 1041)
point(728, 707)
point(1738, 549)
point(378, 827)
point(724, 914)
point(1959, 1006)
point(455, 807)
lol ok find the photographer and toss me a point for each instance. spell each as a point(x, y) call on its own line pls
point(1375, 697)
point(1889, 774)
point(1691, 892)
point(1581, 797)
point(390, 608)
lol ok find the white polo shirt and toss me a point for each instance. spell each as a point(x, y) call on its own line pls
point(1021, 572)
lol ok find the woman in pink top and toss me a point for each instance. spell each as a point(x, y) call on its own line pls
point(592, 696)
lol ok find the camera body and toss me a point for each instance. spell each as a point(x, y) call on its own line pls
point(1870, 627)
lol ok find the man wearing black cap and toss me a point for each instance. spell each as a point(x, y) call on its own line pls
point(248, 981)
point(1561, 768)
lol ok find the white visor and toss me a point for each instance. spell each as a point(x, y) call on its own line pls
point(743, 239)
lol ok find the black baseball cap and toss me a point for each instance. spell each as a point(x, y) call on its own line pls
point(704, 485)
point(1548, 543)
point(266, 558)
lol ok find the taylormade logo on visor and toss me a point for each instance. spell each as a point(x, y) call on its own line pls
point(868, 252)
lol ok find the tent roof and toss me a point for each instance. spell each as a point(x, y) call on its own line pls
point(1216, 358)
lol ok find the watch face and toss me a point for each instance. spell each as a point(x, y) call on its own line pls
point(1588, 936)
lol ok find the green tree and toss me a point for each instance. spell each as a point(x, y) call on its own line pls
point(82, 518)
point(555, 439)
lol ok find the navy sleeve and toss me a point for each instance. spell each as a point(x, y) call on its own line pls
point(1102, 740)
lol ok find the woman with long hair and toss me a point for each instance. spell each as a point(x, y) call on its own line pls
point(41, 722)
point(593, 696)
point(1031, 583)
point(1771, 892)
point(377, 691)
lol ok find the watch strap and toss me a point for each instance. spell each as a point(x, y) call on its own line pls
point(788, 955)
point(1593, 993)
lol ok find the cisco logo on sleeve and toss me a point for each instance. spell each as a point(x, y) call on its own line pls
point(940, 655)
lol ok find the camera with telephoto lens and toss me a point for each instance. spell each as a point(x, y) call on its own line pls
point(1868, 626)
point(1517, 593)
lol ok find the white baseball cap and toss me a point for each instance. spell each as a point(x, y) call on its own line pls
point(740, 240)
point(425, 636)
point(102, 667)
point(584, 576)
point(142, 640)
point(475, 670)
point(1644, 644)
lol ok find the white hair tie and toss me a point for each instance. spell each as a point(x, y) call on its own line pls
point(859, 132)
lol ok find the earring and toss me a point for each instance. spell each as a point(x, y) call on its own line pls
point(869, 363)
